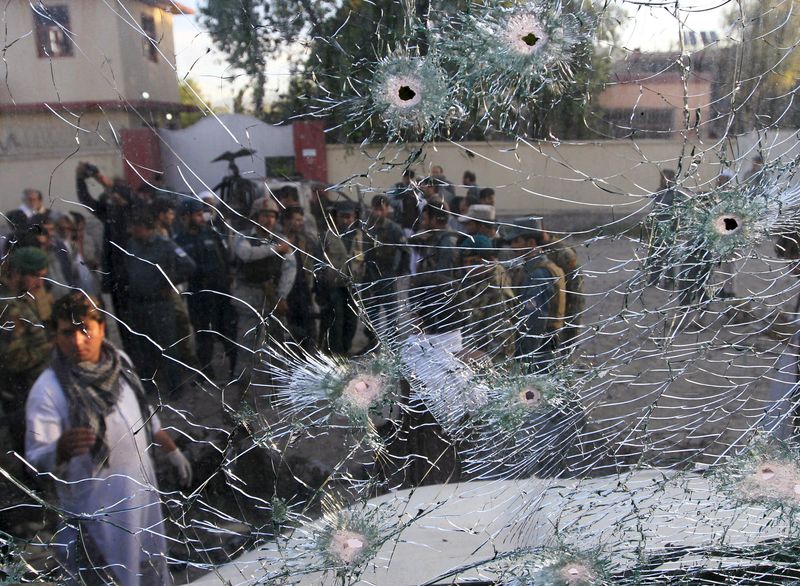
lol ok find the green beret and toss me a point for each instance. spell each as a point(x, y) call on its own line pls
point(28, 260)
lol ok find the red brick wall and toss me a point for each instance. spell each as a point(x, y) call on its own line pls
point(310, 157)
point(141, 155)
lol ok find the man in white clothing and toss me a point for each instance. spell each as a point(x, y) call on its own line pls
point(90, 428)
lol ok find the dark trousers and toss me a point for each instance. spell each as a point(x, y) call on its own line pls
point(213, 317)
point(340, 320)
point(153, 342)
point(693, 277)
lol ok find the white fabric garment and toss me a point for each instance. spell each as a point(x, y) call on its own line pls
point(117, 505)
point(445, 384)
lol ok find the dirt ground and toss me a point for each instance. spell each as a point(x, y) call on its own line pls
point(662, 391)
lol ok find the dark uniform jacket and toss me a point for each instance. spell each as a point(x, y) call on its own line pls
point(146, 281)
point(208, 251)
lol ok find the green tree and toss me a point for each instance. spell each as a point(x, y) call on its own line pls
point(191, 95)
point(761, 66)
point(339, 47)
point(251, 32)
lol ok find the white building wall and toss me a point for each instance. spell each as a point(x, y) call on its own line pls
point(141, 74)
point(580, 183)
point(94, 71)
point(187, 154)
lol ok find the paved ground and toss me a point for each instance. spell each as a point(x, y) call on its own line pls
point(662, 391)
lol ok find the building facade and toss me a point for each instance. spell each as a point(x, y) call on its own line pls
point(660, 95)
point(84, 80)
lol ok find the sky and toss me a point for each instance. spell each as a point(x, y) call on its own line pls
point(649, 26)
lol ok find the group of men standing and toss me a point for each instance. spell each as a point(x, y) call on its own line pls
point(522, 290)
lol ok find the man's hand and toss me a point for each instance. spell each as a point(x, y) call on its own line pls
point(74, 442)
point(183, 468)
point(282, 248)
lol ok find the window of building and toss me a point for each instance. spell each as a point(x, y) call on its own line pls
point(149, 41)
point(51, 26)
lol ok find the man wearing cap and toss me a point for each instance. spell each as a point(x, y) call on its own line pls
point(479, 219)
point(267, 270)
point(386, 258)
point(155, 266)
point(540, 291)
point(25, 341)
point(486, 288)
point(209, 287)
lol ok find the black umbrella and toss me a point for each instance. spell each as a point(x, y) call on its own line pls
point(229, 156)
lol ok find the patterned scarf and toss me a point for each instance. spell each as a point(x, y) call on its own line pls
point(93, 390)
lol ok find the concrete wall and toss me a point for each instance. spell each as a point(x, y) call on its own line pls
point(140, 73)
point(581, 184)
point(41, 151)
point(187, 154)
point(87, 74)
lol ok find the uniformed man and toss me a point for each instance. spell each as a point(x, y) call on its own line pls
point(305, 249)
point(479, 219)
point(163, 210)
point(266, 272)
point(488, 330)
point(344, 260)
point(25, 341)
point(155, 265)
point(209, 288)
point(113, 209)
point(540, 292)
point(386, 258)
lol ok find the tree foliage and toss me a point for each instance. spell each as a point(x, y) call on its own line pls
point(762, 64)
point(331, 42)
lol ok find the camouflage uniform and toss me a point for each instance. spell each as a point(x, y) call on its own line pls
point(25, 345)
point(339, 319)
point(566, 258)
point(385, 259)
point(299, 319)
point(264, 277)
point(540, 289)
point(488, 295)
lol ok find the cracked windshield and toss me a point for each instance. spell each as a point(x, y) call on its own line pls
point(399, 292)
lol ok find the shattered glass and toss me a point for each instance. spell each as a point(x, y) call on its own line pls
point(587, 376)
